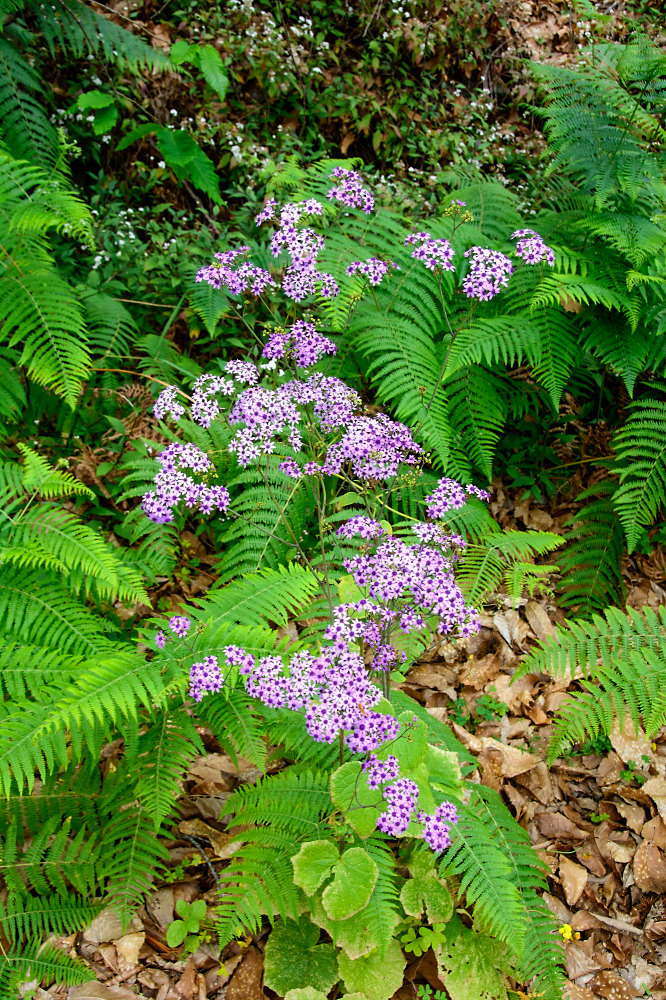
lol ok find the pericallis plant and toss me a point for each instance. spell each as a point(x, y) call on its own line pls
point(374, 828)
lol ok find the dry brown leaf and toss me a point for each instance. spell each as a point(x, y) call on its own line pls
point(621, 852)
point(612, 986)
point(539, 620)
point(99, 991)
point(515, 695)
point(107, 926)
point(574, 879)
point(511, 627)
point(574, 992)
point(579, 963)
point(650, 868)
point(477, 673)
point(127, 949)
point(656, 789)
point(160, 906)
point(628, 744)
point(655, 830)
point(504, 760)
point(538, 782)
point(555, 826)
point(245, 984)
point(220, 841)
point(634, 816)
point(436, 676)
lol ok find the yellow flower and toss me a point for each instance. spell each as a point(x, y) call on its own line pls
point(566, 931)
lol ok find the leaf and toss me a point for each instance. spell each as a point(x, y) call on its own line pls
point(176, 933)
point(147, 128)
point(472, 965)
point(427, 892)
point(188, 161)
point(180, 52)
point(293, 958)
point(313, 864)
point(212, 69)
point(411, 745)
point(95, 99)
point(355, 878)
point(350, 794)
point(375, 977)
point(105, 119)
point(444, 771)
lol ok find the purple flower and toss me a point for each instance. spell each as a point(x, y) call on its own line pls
point(350, 190)
point(374, 269)
point(436, 832)
point(180, 625)
point(375, 448)
point(237, 279)
point(160, 639)
point(378, 772)
point(402, 796)
point(166, 402)
point(205, 678)
point(531, 247)
point(173, 485)
point(435, 254)
point(489, 270)
point(301, 342)
point(450, 495)
point(364, 527)
point(268, 211)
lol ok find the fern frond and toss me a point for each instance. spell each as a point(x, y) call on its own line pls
point(591, 559)
point(641, 448)
point(581, 644)
point(232, 719)
point(165, 750)
point(133, 856)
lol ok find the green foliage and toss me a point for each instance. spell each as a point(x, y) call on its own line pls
point(294, 959)
point(621, 658)
point(591, 560)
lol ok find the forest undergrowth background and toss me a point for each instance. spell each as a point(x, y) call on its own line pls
point(163, 845)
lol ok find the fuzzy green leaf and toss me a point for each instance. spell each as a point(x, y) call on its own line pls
point(376, 977)
point(351, 795)
point(313, 864)
point(293, 959)
point(355, 878)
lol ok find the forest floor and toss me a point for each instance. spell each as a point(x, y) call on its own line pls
point(597, 820)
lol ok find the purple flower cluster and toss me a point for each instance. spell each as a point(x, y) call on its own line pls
point(350, 190)
point(160, 639)
point(489, 270)
point(435, 254)
point(205, 406)
point(373, 268)
point(449, 495)
point(364, 527)
point(374, 447)
point(172, 485)
point(301, 277)
point(531, 247)
point(180, 625)
point(166, 402)
point(270, 414)
point(333, 688)
point(409, 582)
point(437, 828)
point(402, 796)
point(205, 678)
point(379, 772)
point(301, 342)
point(237, 279)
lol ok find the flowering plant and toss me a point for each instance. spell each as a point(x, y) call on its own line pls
point(381, 582)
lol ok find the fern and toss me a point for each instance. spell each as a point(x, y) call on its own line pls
point(164, 753)
point(581, 644)
point(631, 688)
point(286, 808)
point(493, 859)
point(504, 559)
point(592, 557)
point(641, 452)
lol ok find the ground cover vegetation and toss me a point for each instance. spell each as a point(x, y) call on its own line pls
point(292, 297)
